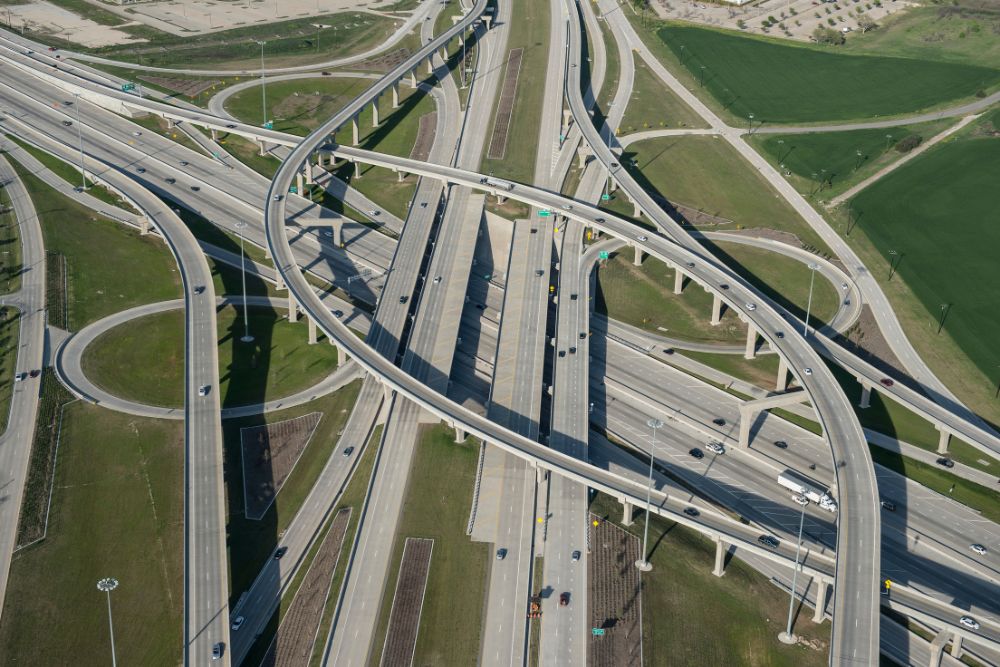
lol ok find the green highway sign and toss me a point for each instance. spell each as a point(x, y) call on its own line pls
point(128, 86)
point(597, 632)
point(269, 125)
point(544, 214)
point(605, 197)
point(294, 190)
point(603, 254)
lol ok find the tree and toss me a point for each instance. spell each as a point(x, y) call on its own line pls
point(908, 143)
point(866, 23)
point(828, 36)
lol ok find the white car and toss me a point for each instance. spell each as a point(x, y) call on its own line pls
point(641, 239)
point(751, 306)
point(807, 370)
point(137, 133)
point(237, 623)
point(978, 548)
point(969, 622)
point(374, 212)
point(799, 499)
point(716, 447)
point(203, 390)
point(437, 280)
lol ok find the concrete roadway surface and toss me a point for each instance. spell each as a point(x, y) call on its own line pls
point(16, 440)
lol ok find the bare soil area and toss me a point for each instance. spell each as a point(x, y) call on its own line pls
point(270, 452)
point(505, 109)
point(425, 137)
point(615, 596)
point(404, 619)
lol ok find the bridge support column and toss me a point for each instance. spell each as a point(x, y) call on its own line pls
point(628, 512)
point(171, 123)
point(636, 211)
point(342, 356)
point(866, 396)
point(354, 131)
point(357, 169)
point(500, 199)
point(430, 64)
point(782, 383)
point(944, 438)
point(215, 135)
point(460, 434)
point(260, 145)
point(298, 183)
point(819, 615)
point(612, 184)
point(956, 646)
point(567, 115)
point(338, 233)
point(751, 350)
point(746, 419)
point(678, 280)
point(720, 557)
point(582, 153)
point(375, 120)
point(395, 95)
point(308, 172)
point(293, 309)
point(637, 257)
point(413, 78)
point(279, 282)
point(716, 310)
point(144, 225)
point(486, 20)
point(400, 176)
point(312, 330)
point(937, 647)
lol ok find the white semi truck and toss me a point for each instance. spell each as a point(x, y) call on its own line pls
point(497, 183)
point(802, 485)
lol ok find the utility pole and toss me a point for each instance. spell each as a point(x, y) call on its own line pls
point(107, 585)
point(643, 563)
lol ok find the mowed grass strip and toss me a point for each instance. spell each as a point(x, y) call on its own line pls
point(117, 510)
point(782, 83)
point(938, 213)
point(10, 330)
point(277, 363)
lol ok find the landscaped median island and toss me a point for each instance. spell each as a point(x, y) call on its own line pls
point(280, 361)
point(10, 330)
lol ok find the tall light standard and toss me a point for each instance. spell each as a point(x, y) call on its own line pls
point(787, 637)
point(643, 563)
point(247, 338)
point(79, 133)
point(263, 82)
point(894, 259)
point(749, 123)
point(812, 279)
point(107, 585)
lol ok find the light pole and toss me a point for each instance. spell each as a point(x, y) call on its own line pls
point(263, 82)
point(942, 316)
point(643, 563)
point(247, 338)
point(787, 637)
point(893, 262)
point(79, 133)
point(812, 279)
point(107, 585)
point(888, 138)
point(750, 123)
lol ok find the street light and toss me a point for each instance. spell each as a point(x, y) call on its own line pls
point(79, 132)
point(812, 279)
point(643, 563)
point(894, 259)
point(247, 338)
point(263, 82)
point(787, 637)
point(107, 585)
point(943, 315)
point(750, 123)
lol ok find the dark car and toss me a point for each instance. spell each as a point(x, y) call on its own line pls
point(562, 353)
point(888, 505)
point(218, 650)
point(779, 334)
point(946, 462)
point(171, 180)
point(886, 382)
point(690, 511)
point(348, 452)
point(572, 297)
point(198, 289)
point(572, 350)
point(231, 126)
point(67, 123)
point(724, 286)
point(668, 350)
point(768, 541)
point(35, 373)
point(697, 453)
point(563, 599)
point(583, 335)
point(141, 170)
point(196, 188)
point(781, 444)
point(404, 299)
point(280, 552)
point(719, 421)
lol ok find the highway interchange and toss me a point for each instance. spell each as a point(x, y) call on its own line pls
point(408, 364)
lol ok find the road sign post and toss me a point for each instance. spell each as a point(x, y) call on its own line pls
point(603, 255)
point(597, 632)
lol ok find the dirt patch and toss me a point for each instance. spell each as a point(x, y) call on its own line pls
point(615, 596)
point(293, 643)
point(501, 124)
point(384, 62)
point(270, 452)
point(426, 130)
point(404, 619)
point(188, 87)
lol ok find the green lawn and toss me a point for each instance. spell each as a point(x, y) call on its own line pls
point(937, 213)
point(828, 163)
point(252, 542)
point(652, 105)
point(529, 30)
point(783, 83)
point(438, 499)
point(683, 602)
point(117, 510)
point(761, 370)
point(278, 363)
point(10, 240)
point(10, 329)
point(297, 106)
point(706, 174)
point(110, 267)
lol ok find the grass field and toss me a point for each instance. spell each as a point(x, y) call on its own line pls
point(297, 106)
point(683, 602)
point(117, 510)
point(129, 269)
point(10, 239)
point(529, 30)
point(10, 329)
point(782, 83)
point(452, 613)
point(653, 105)
point(761, 370)
point(278, 363)
point(707, 174)
point(252, 542)
point(935, 214)
point(828, 163)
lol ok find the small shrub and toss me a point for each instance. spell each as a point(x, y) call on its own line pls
point(831, 22)
point(908, 143)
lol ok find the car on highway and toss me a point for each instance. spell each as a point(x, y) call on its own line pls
point(572, 350)
point(575, 556)
point(568, 207)
point(423, 204)
point(67, 123)
point(141, 170)
point(583, 335)
point(279, 552)
point(573, 297)
point(203, 390)
point(716, 447)
point(195, 188)
point(690, 265)
point(237, 623)
point(599, 220)
point(724, 286)
point(969, 622)
point(539, 272)
point(198, 289)
point(137, 133)
point(886, 382)
point(781, 444)
point(564, 599)
point(668, 351)
point(779, 334)
point(751, 306)
point(374, 212)
point(888, 505)
point(20, 377)
point(337, 313)
point(562, 353)
point(34, 373)
point(278, 197)
point(171, 180)
point(690, 511)
point(348, 452)
point(404, 299)
point(719, 421)
point(769, 541)
point(799, 499)
point(231, 126)
point(696, 453)
point(501, 553)
point(843, 286)
point(807, 370)
point(946, 462)
point(327, 232)
point(184, 163)
point(641, 238)
point(978, 548)
point(437, 279)
point(217, 650)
